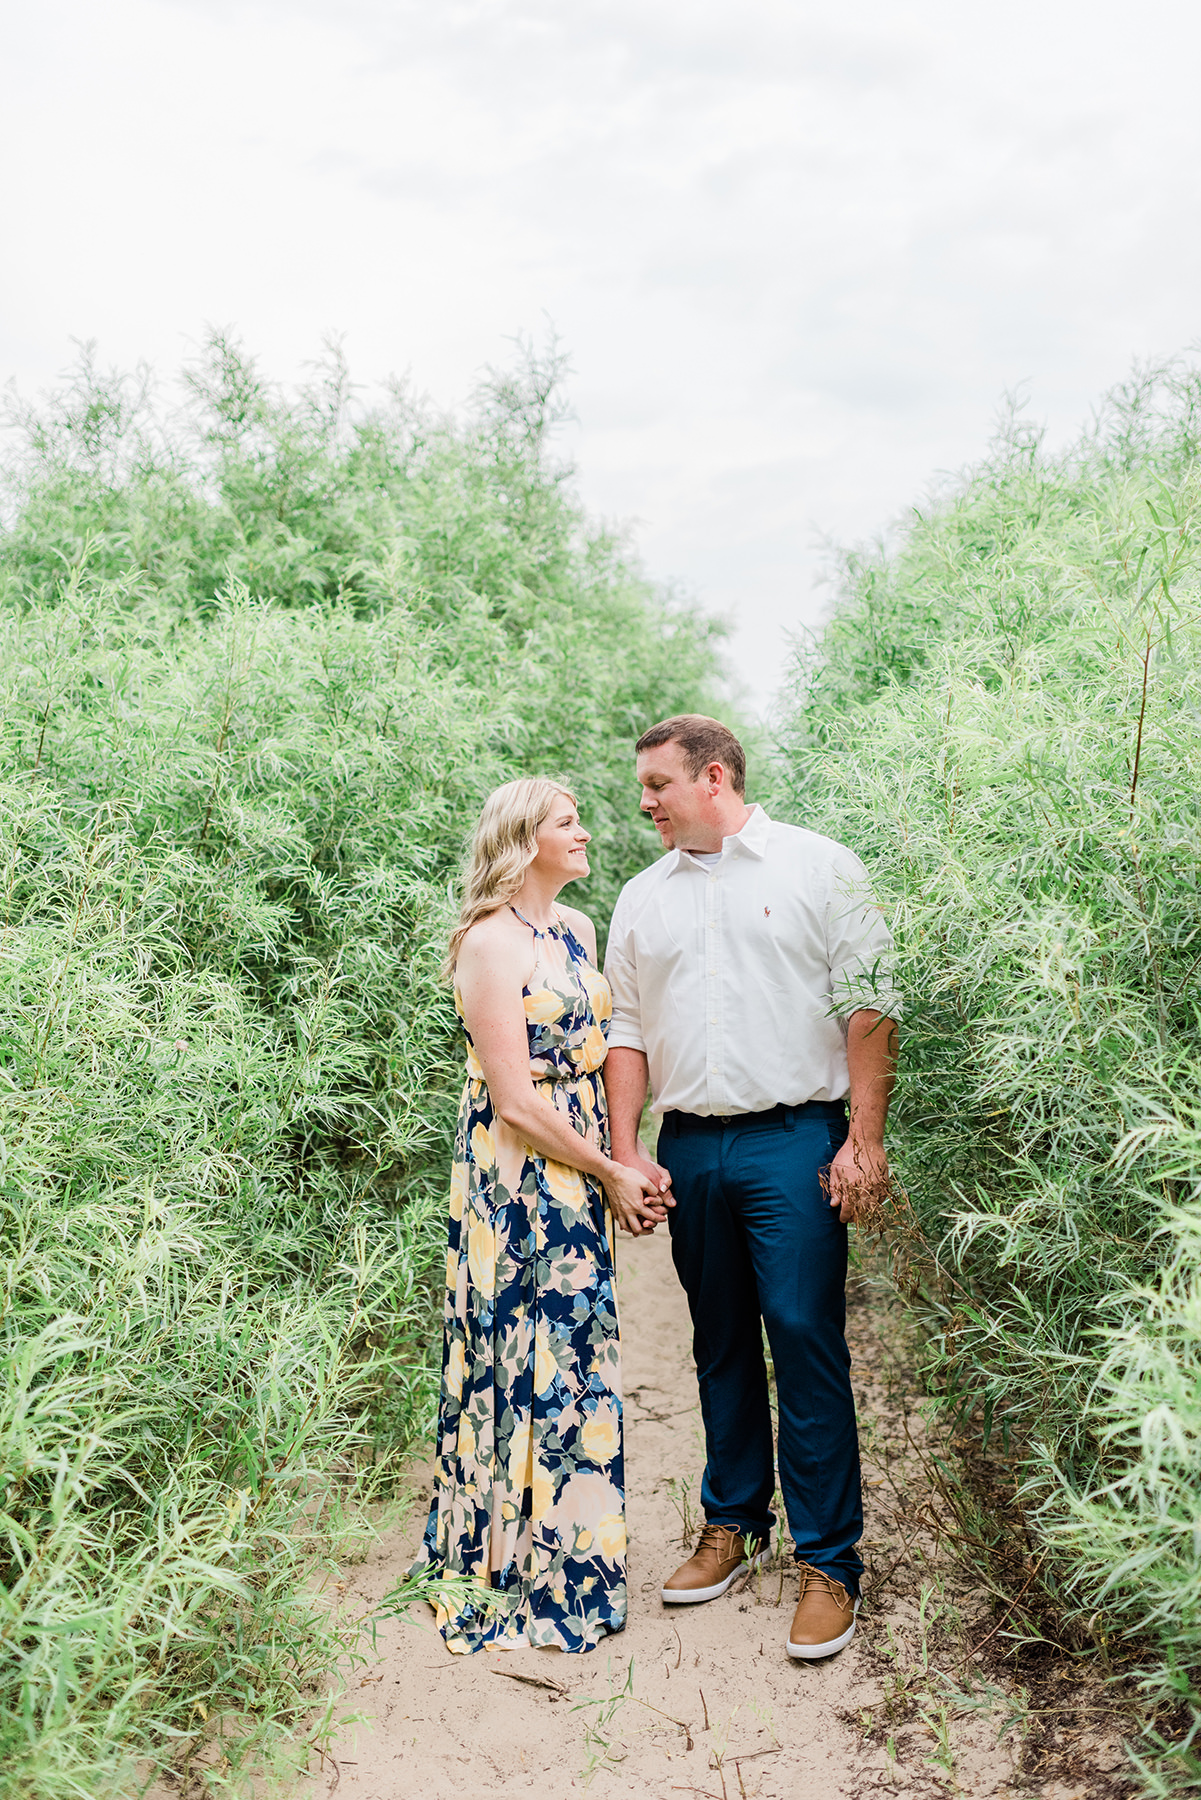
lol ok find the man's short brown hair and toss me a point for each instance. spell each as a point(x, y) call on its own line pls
point(702, 741)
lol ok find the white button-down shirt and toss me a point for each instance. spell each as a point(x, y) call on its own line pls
point(737, 980)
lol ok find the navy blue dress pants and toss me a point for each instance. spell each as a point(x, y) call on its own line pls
point(754, 1237)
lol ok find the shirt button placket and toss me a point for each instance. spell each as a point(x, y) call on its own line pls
point(716, 1084)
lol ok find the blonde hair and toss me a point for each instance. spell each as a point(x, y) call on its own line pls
point(503, 847)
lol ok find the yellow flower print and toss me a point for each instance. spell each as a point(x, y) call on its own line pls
point(583, 1541)
point(544, 1006)
point(611, 1536)
point(519, 1451)
point(466, 1444)
point(545, 1366)
point(458, 1189)
point(481, 1256)
point(600, 1435)
point(456, 1368)
point(593, 1049)
point(542, 1494)
point(566, 1185)
point(452, 1270)
point(600, 994)
point(483, 1150)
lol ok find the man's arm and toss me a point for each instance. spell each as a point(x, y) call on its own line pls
point(859, 1174)
point(626, 1072)
point(625, 1090)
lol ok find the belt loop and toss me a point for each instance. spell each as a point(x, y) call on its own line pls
point(790, 1118)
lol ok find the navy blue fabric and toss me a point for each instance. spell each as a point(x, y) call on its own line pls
point(752, 1234)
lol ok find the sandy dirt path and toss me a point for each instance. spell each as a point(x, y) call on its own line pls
point(700, 1699)
point(934, 1698)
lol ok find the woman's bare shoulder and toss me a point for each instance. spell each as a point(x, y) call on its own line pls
point(496, 942)
point(494, 929)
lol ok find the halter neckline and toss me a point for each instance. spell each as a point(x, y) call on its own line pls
point(550, 930)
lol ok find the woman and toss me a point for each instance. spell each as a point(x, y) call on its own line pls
point(529, 1494)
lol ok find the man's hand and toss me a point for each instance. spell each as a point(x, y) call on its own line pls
point(859, 1181)
point(652, 1209)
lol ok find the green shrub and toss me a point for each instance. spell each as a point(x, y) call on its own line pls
point(231, 821)
point(1004, 718)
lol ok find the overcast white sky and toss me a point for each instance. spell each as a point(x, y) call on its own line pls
point(796, 252)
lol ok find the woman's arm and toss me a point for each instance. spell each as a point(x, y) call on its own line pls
point(494, 966)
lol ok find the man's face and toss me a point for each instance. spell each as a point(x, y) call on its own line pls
point(679, 807)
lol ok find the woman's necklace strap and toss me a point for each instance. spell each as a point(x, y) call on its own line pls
point(550, 929)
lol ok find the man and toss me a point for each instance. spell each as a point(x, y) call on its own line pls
point(749, 987)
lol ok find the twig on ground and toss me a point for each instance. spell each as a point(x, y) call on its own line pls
point(328, 1756)
point(538, 1681)
point(686, 1729)
point(879, 1580)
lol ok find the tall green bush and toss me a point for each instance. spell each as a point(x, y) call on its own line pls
point(258, 667)
point(1004, 717)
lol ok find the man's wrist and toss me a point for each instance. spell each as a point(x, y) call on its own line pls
point(864, 1130)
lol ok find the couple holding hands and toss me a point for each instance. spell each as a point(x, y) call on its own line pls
point(745, 983)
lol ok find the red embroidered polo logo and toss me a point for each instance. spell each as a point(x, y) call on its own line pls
point(767, 912)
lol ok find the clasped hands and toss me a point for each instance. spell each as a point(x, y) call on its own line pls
point(638, 1190)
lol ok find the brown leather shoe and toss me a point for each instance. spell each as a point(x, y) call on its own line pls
point(824, 1621)
point(719, 1556)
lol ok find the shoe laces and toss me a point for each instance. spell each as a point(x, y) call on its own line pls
point(713, 1536)
point(837, 1592)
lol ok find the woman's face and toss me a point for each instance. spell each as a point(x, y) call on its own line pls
point(561, 841)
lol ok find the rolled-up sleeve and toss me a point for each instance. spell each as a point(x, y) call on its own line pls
point(621, 972)
point(858, 943)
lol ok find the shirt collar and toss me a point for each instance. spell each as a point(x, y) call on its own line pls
point(752, 838)
point(754, 834)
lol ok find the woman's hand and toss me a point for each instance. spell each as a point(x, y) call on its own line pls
point(635, 1198)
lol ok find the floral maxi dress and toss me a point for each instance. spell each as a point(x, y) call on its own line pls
point(529, 1492)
